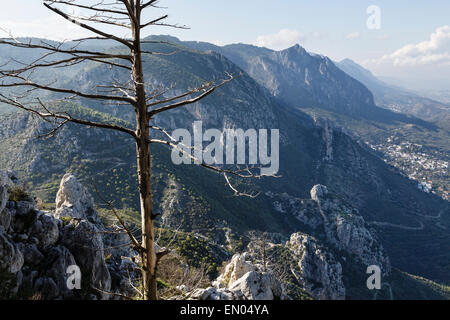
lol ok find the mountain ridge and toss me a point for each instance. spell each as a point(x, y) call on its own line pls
point(311, 153)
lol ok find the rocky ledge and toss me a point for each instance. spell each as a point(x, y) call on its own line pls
point(344, 227)
point(38, 247)
point(242, 280)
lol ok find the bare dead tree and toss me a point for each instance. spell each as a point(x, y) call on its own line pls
point(147, 103)
point(258, 246)
point(268, 256)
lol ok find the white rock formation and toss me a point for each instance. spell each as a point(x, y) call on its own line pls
point(242, 280)
point(320, 273)
point(74, 201)
point(236, 269)
point(36, 247)
point(347, 230)
point(256, 285)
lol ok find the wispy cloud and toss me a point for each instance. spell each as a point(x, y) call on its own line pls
point(51, 27)
point(281, 40)
point(434, 51)
point(353, 35)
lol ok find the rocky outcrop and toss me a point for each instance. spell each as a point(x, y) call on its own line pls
point(318, 271)
point(84, 241)
point(256, 285)
point(11, 258)
point(36, 247)
point(7, 179)
point(302, 78)
point(328, 141)
point(347, 230)
point(5, 183)
point(46, 230)
point(242, 280)
point(304, 210)
point(74, 201)
point(236, 269)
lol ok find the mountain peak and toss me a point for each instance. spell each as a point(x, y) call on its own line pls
point(297, 48)
point(348, 61)
point(162, 37)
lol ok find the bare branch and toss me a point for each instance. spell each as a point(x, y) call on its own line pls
point(53, 131)
point(27, 83)
point(237, 173)
point(206, 93)
point(148, 3)
point(63, 116)
point(103, 21)
point(112, 293)
point(136, 244)
point(64, 63)
point(58, 49)
point(154, 21)
point(236, 192)
point(93, 7)
point(160, 254)
point(92, 29)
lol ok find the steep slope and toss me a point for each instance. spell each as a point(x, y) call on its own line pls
point(397, 99)
point(287, 73)
point(299, 78)
point(198, 201)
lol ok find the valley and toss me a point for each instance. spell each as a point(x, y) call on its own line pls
point(332, 137)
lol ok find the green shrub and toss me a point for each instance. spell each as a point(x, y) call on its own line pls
point(18, 193)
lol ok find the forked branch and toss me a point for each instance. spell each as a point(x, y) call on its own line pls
point(203, 91)
point(62, 116)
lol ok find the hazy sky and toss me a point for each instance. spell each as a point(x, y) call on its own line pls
point(413, 43)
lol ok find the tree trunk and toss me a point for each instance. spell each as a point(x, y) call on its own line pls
point(148, 256)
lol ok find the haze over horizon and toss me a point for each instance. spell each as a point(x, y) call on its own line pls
point(411, 48)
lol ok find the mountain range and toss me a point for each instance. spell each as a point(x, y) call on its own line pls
point(334, 121)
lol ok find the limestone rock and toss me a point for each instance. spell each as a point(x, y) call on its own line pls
point(58, 260)
point(317, 266)
point(37, 247)
point(318, 192)
point(46, 288)
point(5, 219)
point(5, 183)
point(236, 269)
point(258, 286)
point(24, 207)
point(304, 210)
point(11, 258)
point(347, 230)
point(213, 293)
point(24, 216)
point(85, 243)
point(74, 201)
point(242, 280)
point(46, 230)
point(32, 256)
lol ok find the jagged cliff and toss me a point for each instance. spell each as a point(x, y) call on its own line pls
point(37, 247)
